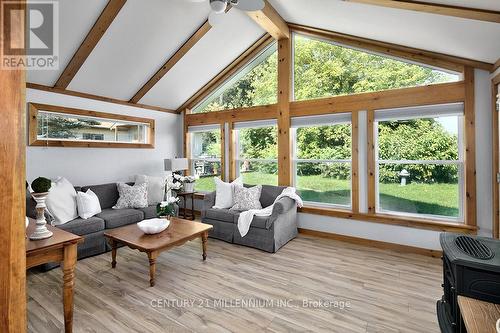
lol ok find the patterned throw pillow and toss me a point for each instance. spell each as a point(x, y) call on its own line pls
point(132, 196)
point(247, 198)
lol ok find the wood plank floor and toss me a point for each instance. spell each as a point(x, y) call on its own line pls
point(383, 291)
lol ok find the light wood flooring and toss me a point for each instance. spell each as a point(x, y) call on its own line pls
point(386, 291)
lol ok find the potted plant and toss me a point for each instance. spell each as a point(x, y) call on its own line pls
point(41, 187)
point(189, 183)
point(167, 208)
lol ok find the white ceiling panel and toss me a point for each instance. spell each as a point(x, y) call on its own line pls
point(76, 18)
point(216, 50)
point(144, 35)
point(450, 35)
point(479, 4)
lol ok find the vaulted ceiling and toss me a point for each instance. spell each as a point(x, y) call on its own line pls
point(145, 34)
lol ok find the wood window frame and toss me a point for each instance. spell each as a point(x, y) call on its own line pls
point(187, 149)
point(441, 93)
point(35, 108)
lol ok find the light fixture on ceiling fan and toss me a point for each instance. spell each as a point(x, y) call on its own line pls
point(218, 8)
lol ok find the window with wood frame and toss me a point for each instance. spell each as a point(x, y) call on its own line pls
point(57, 126)
point(322, 159)
point(324, 68)
point(257, 152)
point(206, 160)
point(419, 154)
point(255, 84)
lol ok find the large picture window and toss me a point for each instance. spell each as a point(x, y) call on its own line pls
point(322, 159)
point(256, 84)
point(420, 162)
point(323, 69)
point(205, 156)
point(257, 152)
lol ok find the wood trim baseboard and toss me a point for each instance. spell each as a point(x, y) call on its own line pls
point(372, 243)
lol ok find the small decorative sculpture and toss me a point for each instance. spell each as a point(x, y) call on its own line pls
point(404, 174)
point(41, 187)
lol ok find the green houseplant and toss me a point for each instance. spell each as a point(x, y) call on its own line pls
point(41, 185)
point(167, 208)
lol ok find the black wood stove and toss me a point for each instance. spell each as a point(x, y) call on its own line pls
point(471, 267)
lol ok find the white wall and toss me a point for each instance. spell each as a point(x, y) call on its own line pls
point(87, 166)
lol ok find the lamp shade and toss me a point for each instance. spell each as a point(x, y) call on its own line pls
point(176, 164)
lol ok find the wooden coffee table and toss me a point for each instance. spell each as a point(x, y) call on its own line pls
point(179, 232)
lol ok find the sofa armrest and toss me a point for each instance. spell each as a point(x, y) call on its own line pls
point(208, 202)
point(281, 207)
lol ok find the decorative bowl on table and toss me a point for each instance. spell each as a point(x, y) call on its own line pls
point(153, 226)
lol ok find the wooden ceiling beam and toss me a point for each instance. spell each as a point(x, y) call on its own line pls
point(167, 66)
point(434, 59)
point(227, 72)
point(439, 9)
point(271, 21)
point(93, 37)
point(96, 97)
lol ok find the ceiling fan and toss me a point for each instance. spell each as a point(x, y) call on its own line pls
point(219, 8)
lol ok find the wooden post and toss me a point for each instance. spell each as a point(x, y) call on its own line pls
point(470, 148)
point(223, 151)
point(187, 144)
point(371, 161)
point(355, 162)
point(12, 189)
point(284, 94)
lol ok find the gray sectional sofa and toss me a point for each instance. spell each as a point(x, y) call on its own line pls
point(266, 233)
point(92, 229)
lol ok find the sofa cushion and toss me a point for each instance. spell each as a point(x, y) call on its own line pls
point(114, 218)
point(269, 193)
point(149, 212)
point(81, 226)
point(107, 194)
point(224, 215)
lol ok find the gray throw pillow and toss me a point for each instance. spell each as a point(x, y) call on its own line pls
point(247, 198)
point(132, 196)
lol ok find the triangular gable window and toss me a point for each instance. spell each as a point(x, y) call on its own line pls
point(323, 69)
point(256, 84)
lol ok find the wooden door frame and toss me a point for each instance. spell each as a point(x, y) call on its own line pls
point(12, 190)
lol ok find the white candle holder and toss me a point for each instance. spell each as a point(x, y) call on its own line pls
point(41, 231)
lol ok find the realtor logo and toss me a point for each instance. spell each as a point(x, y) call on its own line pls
point(39, 47)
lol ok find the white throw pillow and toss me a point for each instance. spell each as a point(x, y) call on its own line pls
point(61, 201)
point(132, 196)
point(156, 188)
point(247, 198)
point(224, 193)
point(88, 204)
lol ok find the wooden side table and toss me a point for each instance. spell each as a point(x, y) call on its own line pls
point(61, 247)
point(185, 196)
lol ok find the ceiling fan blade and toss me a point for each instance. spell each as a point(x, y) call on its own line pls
point(249, 5)
point(215, 19)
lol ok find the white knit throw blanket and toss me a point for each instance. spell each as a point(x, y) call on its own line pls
point(246, 217)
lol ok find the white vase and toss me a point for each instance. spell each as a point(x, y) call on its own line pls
point(188, 187)
point(41, 231)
